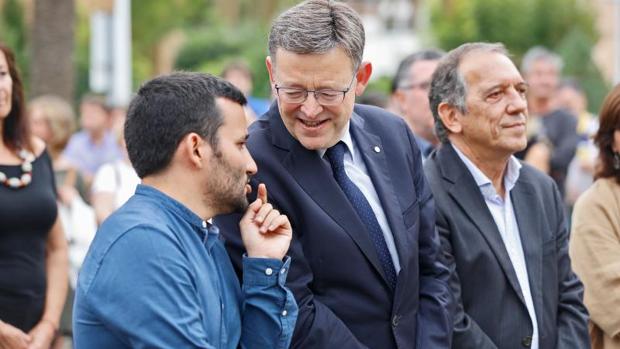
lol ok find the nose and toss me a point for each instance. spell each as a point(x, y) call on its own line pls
point(251, 167)
point(517, 103)
point(311, 107)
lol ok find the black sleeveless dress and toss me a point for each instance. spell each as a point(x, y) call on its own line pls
point(26, 217)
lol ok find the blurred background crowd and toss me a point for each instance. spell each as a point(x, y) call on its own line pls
point(81, 60)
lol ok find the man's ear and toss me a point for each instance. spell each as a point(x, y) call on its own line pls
point(450, 117)
point(194, 150)
point(363, 76)
point(269, 65)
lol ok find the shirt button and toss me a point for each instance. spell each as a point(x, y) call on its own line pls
point(204, 224)
point(284, 312)
point(268, 271)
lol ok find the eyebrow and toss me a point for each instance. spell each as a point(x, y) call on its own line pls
point(503, 86)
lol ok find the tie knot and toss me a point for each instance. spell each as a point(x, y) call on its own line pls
point(335, 155)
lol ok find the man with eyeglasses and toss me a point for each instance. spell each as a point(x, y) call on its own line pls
point(410, 88)
point(367, 271)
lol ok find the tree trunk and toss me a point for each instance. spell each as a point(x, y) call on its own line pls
point(52, 67)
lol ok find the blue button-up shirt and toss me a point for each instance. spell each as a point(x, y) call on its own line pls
point(158, 276)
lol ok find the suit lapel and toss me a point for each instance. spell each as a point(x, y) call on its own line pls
point(466, 194)
point(315, 177)
point(377, 165)
point(523, 196)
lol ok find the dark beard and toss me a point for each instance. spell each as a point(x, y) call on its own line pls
point(222, 188)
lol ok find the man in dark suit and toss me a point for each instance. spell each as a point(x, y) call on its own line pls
point(366, 268)
point(501, 222)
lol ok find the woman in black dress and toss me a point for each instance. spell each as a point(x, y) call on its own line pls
point(33, 249)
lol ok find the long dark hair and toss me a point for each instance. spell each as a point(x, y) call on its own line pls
point(15, 131)
point(609, 120)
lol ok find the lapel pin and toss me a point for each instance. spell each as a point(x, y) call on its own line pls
point(377, 149)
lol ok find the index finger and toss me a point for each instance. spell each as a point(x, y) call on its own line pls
point(262, 193)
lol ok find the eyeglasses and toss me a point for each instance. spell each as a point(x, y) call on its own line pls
point(424, 86)
point(327, 97)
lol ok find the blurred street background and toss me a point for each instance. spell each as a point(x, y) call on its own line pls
point(69, 47)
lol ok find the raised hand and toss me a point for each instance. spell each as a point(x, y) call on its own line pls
point(266, 233)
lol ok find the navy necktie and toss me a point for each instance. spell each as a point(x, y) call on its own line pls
point(335, 155)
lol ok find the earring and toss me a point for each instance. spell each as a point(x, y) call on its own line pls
point(616, 161)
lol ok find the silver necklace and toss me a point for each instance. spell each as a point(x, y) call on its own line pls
point(26, 177)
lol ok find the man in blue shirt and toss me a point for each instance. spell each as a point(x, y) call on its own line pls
point(157, 274)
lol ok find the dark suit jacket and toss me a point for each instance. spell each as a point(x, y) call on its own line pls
point(343, 296)
point(491, 311)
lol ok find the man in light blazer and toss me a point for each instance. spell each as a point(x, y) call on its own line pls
point(501, 222)
point(367, 272)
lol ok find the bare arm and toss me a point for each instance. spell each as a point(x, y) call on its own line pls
point(103, 204)
point(56, 265)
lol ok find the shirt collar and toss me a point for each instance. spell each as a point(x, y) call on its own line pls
point(177, 207)
point(511, 176)
point(345, 138)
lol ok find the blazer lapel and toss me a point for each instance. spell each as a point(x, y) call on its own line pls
point(375, 158)
point(315, 177)
point(523, 196)
point(466, 194)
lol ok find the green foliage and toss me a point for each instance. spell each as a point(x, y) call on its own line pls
point(381, 84)
point(152, 21)
point(576, 48)
point(81, 52)
point(519, 24)
point(209, 49)
point(13, 33)
point(566, 26)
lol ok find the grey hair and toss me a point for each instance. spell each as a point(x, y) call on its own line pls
point(316, 27)
point(405, 65)
point(537, 53)
point(449, 86)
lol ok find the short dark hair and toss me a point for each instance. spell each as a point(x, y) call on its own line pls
point(449, 86)
point(169, 107)
point(407, 62)
point(15, 131)
point(609, 122)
